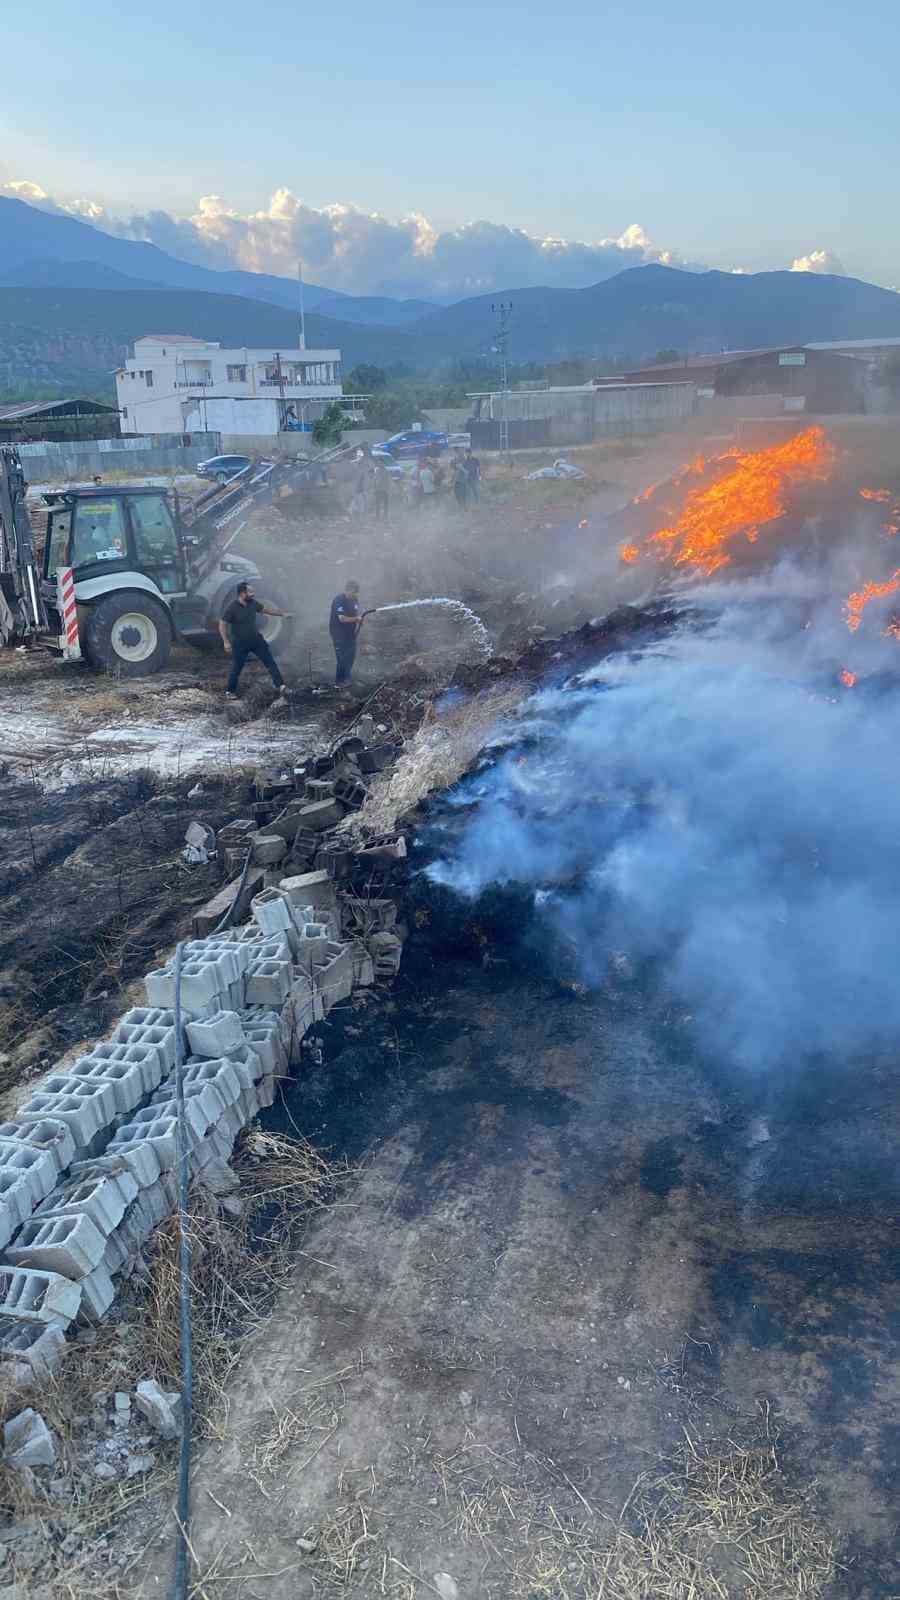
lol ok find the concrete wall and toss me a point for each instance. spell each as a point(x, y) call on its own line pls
point(82, 458)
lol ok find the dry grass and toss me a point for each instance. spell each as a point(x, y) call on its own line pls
point(720, 1525)
point(238, 1266)
point(438, 755)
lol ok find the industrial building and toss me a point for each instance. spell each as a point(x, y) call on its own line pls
point(177, 384)
point(59, 420)
point(579, 414)
point(804, 378)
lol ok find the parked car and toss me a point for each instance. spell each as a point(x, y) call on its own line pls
point(221, 468)
point(413, 442)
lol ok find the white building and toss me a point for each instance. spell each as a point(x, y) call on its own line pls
point(178, 384)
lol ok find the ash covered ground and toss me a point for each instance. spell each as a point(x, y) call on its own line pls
point(613, 1211)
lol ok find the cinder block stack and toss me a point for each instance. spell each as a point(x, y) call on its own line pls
point(88, 1166)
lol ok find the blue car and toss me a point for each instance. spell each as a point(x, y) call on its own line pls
point(413, 442)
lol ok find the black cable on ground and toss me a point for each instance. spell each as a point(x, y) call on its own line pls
point(182, 1548)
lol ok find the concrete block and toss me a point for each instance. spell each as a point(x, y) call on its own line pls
point(223, 1075)
point(203, 1107)
point(271, 911)
point(268, 848)
point(157, 1035)
point(268, 1045)
point(32, 1349)
point(320, 816)
point(118, 1252)
point(98, 1293)
point(145, 1142)
point(314, 889)
point(313, 939)
point(16, 1203)
point(101, 1091)
point(82, 1109)
point(228, 900)
point(268, 982)
point(71, 1245)
point(33, 1296)
point(127, 1081)
point(248, 1105)
point(386, 951)
point(265, 1090)
point(38, 1166)
point(217, 1035)
point(103, 1196)
point(28, 1442)
point(334, 978)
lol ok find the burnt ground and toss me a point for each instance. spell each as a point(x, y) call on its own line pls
point(568, 1239)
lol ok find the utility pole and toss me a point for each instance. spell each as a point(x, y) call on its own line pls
point(503, 311)
point(302, 307)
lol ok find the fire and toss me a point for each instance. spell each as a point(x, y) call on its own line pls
point(892, 631)
point(848, 678)
point(855, 604)
point(629, 552)
point(748, 490)
point(875, 494)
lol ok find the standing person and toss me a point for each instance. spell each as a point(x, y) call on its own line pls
point(426, 483)
point(382, 491)
point(241, 637)
point(344, 624)
point(461, 483)
point(473, 467)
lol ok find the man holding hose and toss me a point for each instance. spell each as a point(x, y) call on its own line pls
point(343, 625)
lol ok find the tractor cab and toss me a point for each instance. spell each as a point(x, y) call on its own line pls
point(101, 533)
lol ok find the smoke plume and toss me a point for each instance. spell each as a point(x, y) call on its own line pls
point(721, 807)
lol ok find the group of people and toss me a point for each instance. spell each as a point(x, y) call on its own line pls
point(375, 488)
point(242, 638)
point(239, 627)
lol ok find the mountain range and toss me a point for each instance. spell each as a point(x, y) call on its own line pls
point(73, 300)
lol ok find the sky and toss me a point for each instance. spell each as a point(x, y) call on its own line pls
point(741, 138)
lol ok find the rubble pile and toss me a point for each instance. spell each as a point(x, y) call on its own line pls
point(88, 1165)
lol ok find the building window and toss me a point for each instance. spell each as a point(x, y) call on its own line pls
point(149, 377)
point(237, 374)
point(125, 412)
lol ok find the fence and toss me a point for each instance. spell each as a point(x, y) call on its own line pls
point(85, 458)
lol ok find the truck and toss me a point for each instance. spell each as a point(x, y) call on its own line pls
point(128, 570)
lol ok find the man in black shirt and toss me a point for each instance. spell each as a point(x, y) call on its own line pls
point(241, 637)
point(343, 625)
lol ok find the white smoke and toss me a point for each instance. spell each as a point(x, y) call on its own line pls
point(726, 810)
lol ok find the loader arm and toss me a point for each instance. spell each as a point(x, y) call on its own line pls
point(22, 612)
point(219, 516)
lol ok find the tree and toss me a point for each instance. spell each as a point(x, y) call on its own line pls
point(666, 358)
point(329, 428)
point(365, 379)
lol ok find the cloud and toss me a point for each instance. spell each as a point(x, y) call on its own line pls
point(343, 246)
point(819, 261)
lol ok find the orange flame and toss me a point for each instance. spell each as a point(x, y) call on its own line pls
point(875, 494)
point(848, 678)
point(629, 552)
point(892, 631)
point(750, 489)
point(855, 604)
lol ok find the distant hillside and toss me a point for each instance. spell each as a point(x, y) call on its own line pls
point(646, 309)
point(40, 247)
point(76, 338)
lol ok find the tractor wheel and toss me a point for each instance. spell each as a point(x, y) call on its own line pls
point(128, 635)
